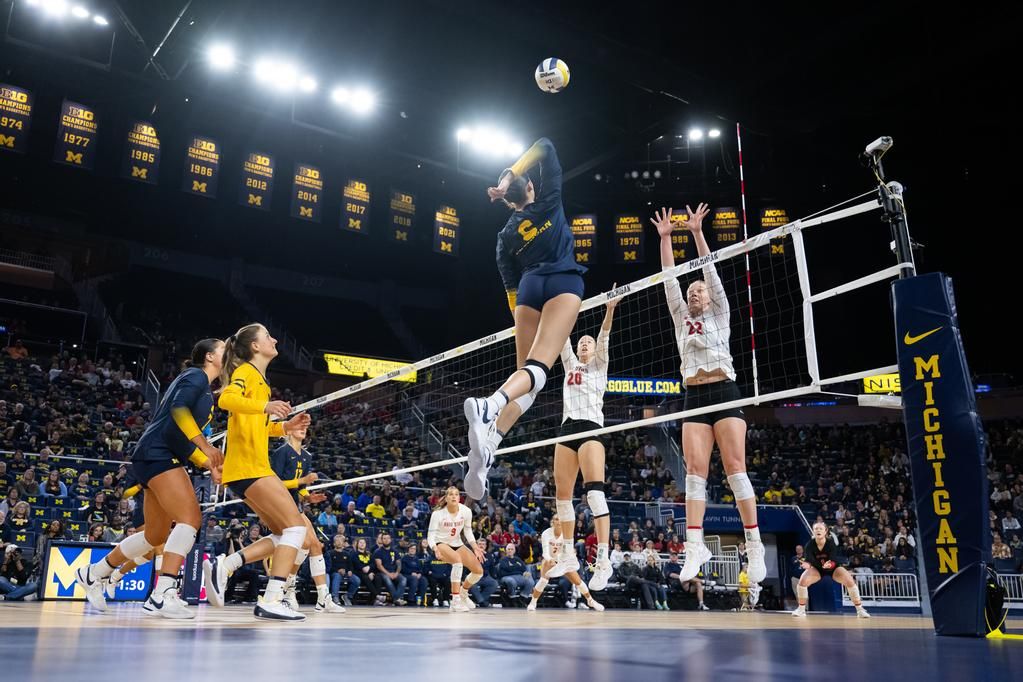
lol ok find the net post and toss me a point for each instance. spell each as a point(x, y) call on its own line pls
point(809, 335)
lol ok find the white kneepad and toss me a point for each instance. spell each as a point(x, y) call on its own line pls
point(696, 487)
point(180, 540)
point(742, 488)
point(135, 547)
point(317, 566)
point(456, 573)
point(597, 500)
point(566, 512)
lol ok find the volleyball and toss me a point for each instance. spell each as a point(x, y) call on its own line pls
point(552, 75)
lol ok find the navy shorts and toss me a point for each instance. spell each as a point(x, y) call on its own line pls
point(147, 471)
point(536, 289)
point(703, 395)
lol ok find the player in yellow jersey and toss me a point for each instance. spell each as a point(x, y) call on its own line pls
point(247, 472)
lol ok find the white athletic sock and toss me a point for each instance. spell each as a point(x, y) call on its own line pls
point(274, 591)
point(601, 552)
point(694, 535)
point(497, 402)
point(752, 533)
point(234, 562)
point(584, 591)
point(116, 576)
point(567, 549)
point(100, 569)
point(164, 583)
point(322, 592)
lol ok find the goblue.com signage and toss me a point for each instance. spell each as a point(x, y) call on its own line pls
point(630, 386)
point(946, 447)
point(64, 558)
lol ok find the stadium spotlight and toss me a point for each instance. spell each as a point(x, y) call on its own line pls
point(307, 84)
point(221, 57)
point(363, 101)
point(714, 132)
point(340, 95)
point(55, 8)
point(281, 76)
point(79, 12)
point(100, 21)
point(695, 134)
point(657, 174)
point(634, 174)
point(463, 135)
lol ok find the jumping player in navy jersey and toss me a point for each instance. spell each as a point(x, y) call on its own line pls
point(536, 259)
point(158, 462)
point(822, 562)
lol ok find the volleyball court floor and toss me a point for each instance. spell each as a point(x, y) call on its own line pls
point(61, 641)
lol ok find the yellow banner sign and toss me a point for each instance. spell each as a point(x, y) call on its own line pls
point(365, 368)
point(882, 383)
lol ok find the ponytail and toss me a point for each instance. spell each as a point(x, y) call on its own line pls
point(237, 350)
point(515, 195)
point(200, 351)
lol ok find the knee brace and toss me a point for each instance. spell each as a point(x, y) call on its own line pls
point(541, 584)
point(596, 499)
point(802, 594)
point(566, 512)
point(317, 566)
point(696, 487)
point(472, 579)
point(294, 536)
point(135, 546)
point(456, 573)
point(742, 488)
point(180, 539)
point(301, 556)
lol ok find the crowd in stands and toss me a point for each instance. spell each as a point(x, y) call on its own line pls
point(68, 406)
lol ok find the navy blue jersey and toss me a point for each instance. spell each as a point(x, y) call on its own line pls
point(822, 558)
point(164, 438)
point(537, 238)
point(388, 557)
point(290, 465)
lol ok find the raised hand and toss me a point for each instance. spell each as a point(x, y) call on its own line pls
point(662, 221)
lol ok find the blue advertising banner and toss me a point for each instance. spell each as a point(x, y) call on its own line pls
point(64, 558)
point(946, 446)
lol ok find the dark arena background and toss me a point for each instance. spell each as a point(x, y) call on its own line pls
point(173, 171)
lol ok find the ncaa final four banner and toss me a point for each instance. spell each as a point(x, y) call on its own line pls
point(257, 183)
point(771, 218)
point(355, 213)
point(403, 215)
point(725, 226)
point(202, 167)
point(445, 231)
point(307, 193)
point(628, 239)
point(76, 136)
point(142, 154)
point(15, 118)
point(946, 446)
point(680, 237)
point(584, 229)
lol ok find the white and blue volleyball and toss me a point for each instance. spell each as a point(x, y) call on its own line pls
point(552, 75)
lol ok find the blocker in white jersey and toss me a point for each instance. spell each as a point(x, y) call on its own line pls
point(585, 381)
point(550, 544)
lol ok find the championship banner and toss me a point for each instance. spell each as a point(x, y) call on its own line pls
point(142, 154)
point(628, 239)
point(584, 229)
point(681, 238)
point(202, 167)
point(726, 226)
point(15, 118)
point(62, 559)
point(355, 213)
point(305, 193)
point(771, 218)
point(445, 231)
point(946, 446)
point(76, 136)
point(257, 186)
point(403, 213)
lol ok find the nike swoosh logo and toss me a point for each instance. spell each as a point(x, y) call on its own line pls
point(157, 605)
point(910, 340)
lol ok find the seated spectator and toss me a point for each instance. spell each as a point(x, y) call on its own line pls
point(521, 527)
point(673, 571)
point(9, 501)
point(96, 512)
point(27, 485)
point(652, 573)
point(17, 520)
point(341, 573)
point(17, 351)
point(352, 514)
point(616, 557)
point(82, 491)
point(675, 546)
point(409, 517)
point(387, 565)
point(999, 550)
point(54, 531)
point(375, 509)
point(1009, 522)
point(772, 495)
point(114, 533)
point(412, 570)
point(327, 519)
point(501, 538)
point(513, 574)
point(629, 574)
point(6, 480)
point(53, 486)
point(96, 532)
point(483, 590)
point(250, 572)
